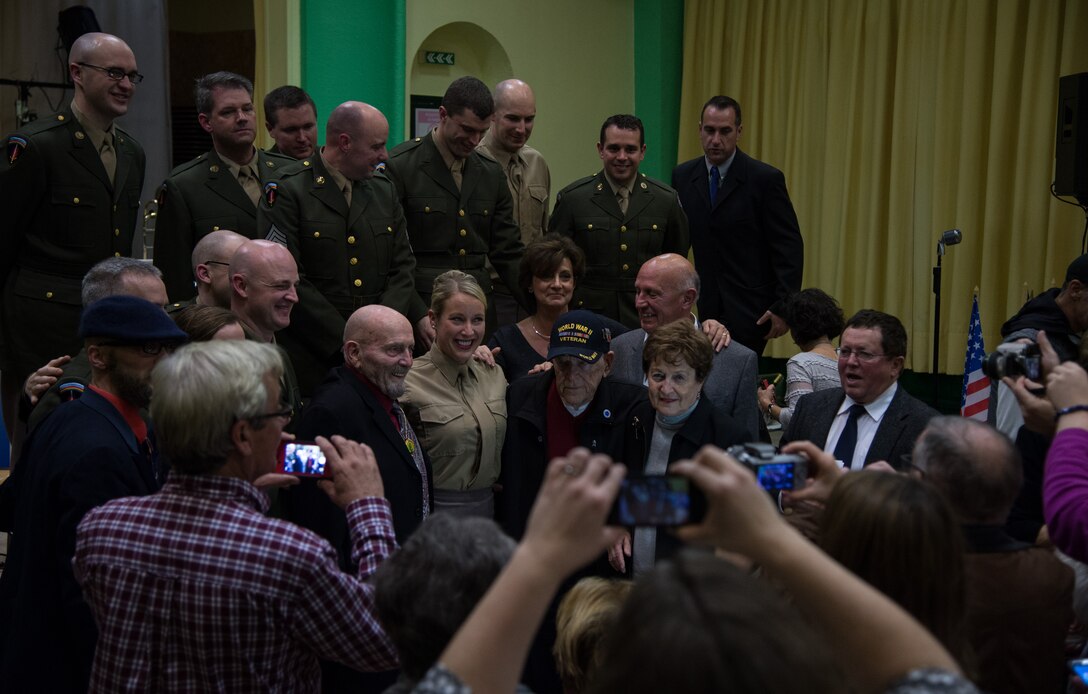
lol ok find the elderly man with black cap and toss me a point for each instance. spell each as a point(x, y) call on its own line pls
point(89, 451)
point(573, 404)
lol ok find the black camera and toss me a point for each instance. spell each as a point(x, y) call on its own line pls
point(1014, 359)
point(774, 471)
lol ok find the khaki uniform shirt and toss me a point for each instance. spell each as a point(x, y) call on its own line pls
point(530, 191)
point(459, 415)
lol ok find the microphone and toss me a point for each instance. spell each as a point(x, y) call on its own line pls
point(951, 237)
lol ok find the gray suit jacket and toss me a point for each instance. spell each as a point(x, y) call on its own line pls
point(730, 386)
point(899, 429)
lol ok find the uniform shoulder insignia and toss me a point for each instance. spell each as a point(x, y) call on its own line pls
point(270, 192)
point(16, 145)
point(71, 390)
point(380, 168)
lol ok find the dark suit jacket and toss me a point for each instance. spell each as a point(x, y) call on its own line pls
point(197, 198)
point(344, 405)
point(895, 436)
point(747, 244)
point(346, 258)
point(61, 216)
point(707, 424)
point(82, 456)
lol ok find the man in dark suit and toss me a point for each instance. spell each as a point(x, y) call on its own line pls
point(343, 223)
point(744, 233)
point(359, 401)
point(70, 190)
point(870, 417)
point(621, 219)
point(89, 451)
point(456, 199)
point(217, 190)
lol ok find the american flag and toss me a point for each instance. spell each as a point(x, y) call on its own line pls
point(975, 400)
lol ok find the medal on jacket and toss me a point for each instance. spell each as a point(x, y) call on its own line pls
point(410, 446)
point(16, 145)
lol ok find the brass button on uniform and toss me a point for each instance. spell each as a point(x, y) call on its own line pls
point(215, 228)
point(354, 261)
point(115, 208)
point(623, 246)
point(485, 213)
point(626, 266)
point(75, 200)
point(389, 229)
point(461, 213)
point(117, 254)
point(351, 240)
point(116, 232)
point(589, 226)
point(317, 234)
point(214, 168)
point(426, 208)
point(358, 283)
point(623, 228)
point(461, 252)
point(464, 233)
point(49, 295)
point(654, 227)
point(79, 135)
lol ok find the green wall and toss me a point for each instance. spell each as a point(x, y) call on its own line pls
point(585, 61)
point(354, 50)
point(659, 41)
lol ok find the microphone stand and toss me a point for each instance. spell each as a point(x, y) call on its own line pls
point(937, 319)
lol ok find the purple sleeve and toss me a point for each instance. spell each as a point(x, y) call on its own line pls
point(1065, 493)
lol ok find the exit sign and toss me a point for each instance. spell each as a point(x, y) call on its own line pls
point(438, 58)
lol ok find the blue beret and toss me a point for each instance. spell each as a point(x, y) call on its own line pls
point(129, 319)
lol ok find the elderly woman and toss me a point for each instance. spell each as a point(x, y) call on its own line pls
point(457, 405)
point(675, 423)
point(550, 270)
point(815, 319)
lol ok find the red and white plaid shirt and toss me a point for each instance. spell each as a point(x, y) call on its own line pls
point(195, 590)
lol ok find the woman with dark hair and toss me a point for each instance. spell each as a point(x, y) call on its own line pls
point(203, 323)
point(900, 536)
point(815, 319)
point(673, 425)
point(550, 270)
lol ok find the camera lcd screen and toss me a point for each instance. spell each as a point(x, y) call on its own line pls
point(302, 459)
point(1080, 669)
point(777, 476)
point(657, 500)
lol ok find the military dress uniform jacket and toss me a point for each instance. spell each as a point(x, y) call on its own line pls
point(197, 198)
point(347, 258)
point(616, 244)
point(62, 215)
point(456, 230)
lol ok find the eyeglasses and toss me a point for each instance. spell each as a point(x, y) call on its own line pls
point(216, 262)
point(845, 353)
point(148, 348)
point(116, 74)
point(286, 414)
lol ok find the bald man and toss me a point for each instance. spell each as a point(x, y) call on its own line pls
point(70, 190)
point(211, 263)
point(527, 175)
point(359, 400)
point(343, 223)
point(264, 291)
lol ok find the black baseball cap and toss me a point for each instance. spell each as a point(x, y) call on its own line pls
point(580, 334)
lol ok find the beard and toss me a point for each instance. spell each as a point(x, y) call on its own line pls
point(130, 386)
point(389, 382)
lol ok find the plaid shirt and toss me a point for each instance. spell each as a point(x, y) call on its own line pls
point(195, 590)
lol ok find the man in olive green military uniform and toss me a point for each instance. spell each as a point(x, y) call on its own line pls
point(345, 227)
point(621, 219)
point(70, 190)
point(456, 199)
point(217, 190)
point(290, 116)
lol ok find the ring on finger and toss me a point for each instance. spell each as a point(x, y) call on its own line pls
point(570, 470)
